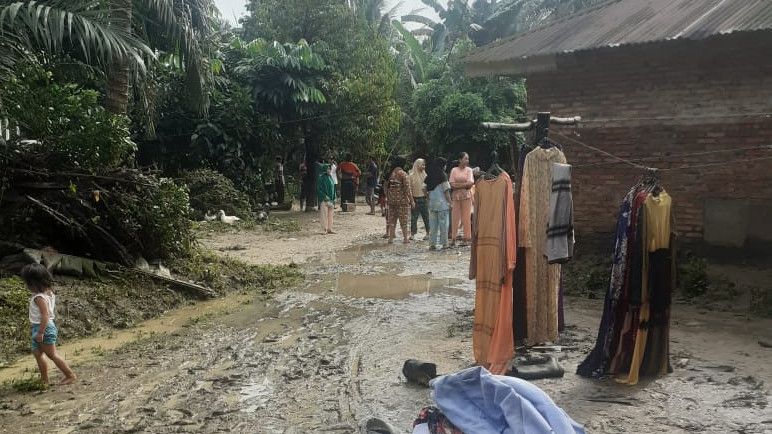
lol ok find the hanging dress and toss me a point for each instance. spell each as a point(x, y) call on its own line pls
point(655, 278)
point(596, 364)
point(492, 262)
point(541, 279)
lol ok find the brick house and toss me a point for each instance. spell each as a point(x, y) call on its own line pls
point(654, 80)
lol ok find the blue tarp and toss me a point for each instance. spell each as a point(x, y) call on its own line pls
point(478, 402)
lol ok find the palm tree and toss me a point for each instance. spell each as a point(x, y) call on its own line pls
point(118, 36)
point(283, 77)
point(457, 20)
point(376, 14)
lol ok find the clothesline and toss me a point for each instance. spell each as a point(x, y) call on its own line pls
point(677, 118)
point(690, 166)
point(688, 154)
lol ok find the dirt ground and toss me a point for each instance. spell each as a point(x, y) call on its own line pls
point(327, 355)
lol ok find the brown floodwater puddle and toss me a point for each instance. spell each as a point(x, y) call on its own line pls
point(388, 286)
point(354, 255)
point(87, 349)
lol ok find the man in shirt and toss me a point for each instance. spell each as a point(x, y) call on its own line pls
point(349, 177)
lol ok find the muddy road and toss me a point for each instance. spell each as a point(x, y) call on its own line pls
point(326, 356)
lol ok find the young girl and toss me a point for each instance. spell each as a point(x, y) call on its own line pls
point(41, 315)
point(325, 194)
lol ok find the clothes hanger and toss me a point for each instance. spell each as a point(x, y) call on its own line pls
point(494, 170)
point(650, 181)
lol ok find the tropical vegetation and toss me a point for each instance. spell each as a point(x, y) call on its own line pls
point(132, 110)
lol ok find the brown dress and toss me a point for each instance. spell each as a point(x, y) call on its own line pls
point(541, 279)
point(492, 262)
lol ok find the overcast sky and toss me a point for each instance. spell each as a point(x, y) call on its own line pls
point(233, 9)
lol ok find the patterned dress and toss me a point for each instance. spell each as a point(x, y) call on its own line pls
point(541, 279)
point(398, 197)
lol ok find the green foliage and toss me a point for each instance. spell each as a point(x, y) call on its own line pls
point(27, 385)
point(448, 109)
point(14, 326)
point(224, 274)
point(693, 277)
point(282, 77)
point(156, 214)
point(68, 121)
point(210, 191)
point(360, 80)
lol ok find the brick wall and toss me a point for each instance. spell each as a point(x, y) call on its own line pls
point(696, 90)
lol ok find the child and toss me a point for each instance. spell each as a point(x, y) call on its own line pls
point(41, 315)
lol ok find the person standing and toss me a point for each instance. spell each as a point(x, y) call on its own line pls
point(417, 189)
point(439, 204)
point(304, 184)
point(325, 193)
point(399, 200)
point(349, 179)
point(462, 181)
point(334, 174)
point(42, 312)
point(279, 183)
point(371, 181)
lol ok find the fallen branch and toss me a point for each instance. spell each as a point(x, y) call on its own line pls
point(199, 290)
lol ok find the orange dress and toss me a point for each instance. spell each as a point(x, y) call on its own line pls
point(494, 250)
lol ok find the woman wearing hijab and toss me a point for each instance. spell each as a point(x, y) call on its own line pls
point(417, 189)
point(325, 194)
point(399, 200)
point(439, 204)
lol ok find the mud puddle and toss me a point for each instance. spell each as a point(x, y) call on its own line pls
point(386, 286)
point(89, 349)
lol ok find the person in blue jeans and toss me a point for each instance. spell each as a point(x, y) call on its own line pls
point(439, 204)
point(42, 304)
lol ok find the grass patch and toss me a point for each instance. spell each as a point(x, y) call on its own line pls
point(14, 325)
point(224, 274)
point(283, 225)
point(27, 385)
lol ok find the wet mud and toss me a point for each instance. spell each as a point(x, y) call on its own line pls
point(326, 356)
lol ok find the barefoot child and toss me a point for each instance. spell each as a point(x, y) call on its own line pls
point(41, 316)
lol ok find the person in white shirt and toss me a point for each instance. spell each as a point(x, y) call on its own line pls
point(42, 305)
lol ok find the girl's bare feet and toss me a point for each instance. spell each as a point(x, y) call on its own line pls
point(406, 241)
point(68, 380)
point(331, 231)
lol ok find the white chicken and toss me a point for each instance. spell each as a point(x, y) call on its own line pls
point(209, 217)
point(227, 219)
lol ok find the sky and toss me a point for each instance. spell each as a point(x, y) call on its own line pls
point(233, 9)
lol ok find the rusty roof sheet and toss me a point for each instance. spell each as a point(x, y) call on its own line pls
point(621, 22)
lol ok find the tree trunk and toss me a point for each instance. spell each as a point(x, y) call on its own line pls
point(117, 90)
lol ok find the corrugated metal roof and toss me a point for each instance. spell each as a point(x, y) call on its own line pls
point(621, 22)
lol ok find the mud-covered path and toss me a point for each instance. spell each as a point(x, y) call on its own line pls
point(326, 356)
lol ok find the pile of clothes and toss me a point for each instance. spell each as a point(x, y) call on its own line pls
point(474, 401)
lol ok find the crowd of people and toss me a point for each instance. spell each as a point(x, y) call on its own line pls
point(427, 191)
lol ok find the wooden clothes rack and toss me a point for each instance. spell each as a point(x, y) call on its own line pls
point(540, 126)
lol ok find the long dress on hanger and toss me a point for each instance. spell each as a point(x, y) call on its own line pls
point(493, 259)
point(596, 364)
point(655, 245)
point(542, 279)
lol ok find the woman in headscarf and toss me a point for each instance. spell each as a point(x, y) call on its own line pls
point(325, 194)
point(417, 189)
point(439, 204)
point(399, 199)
